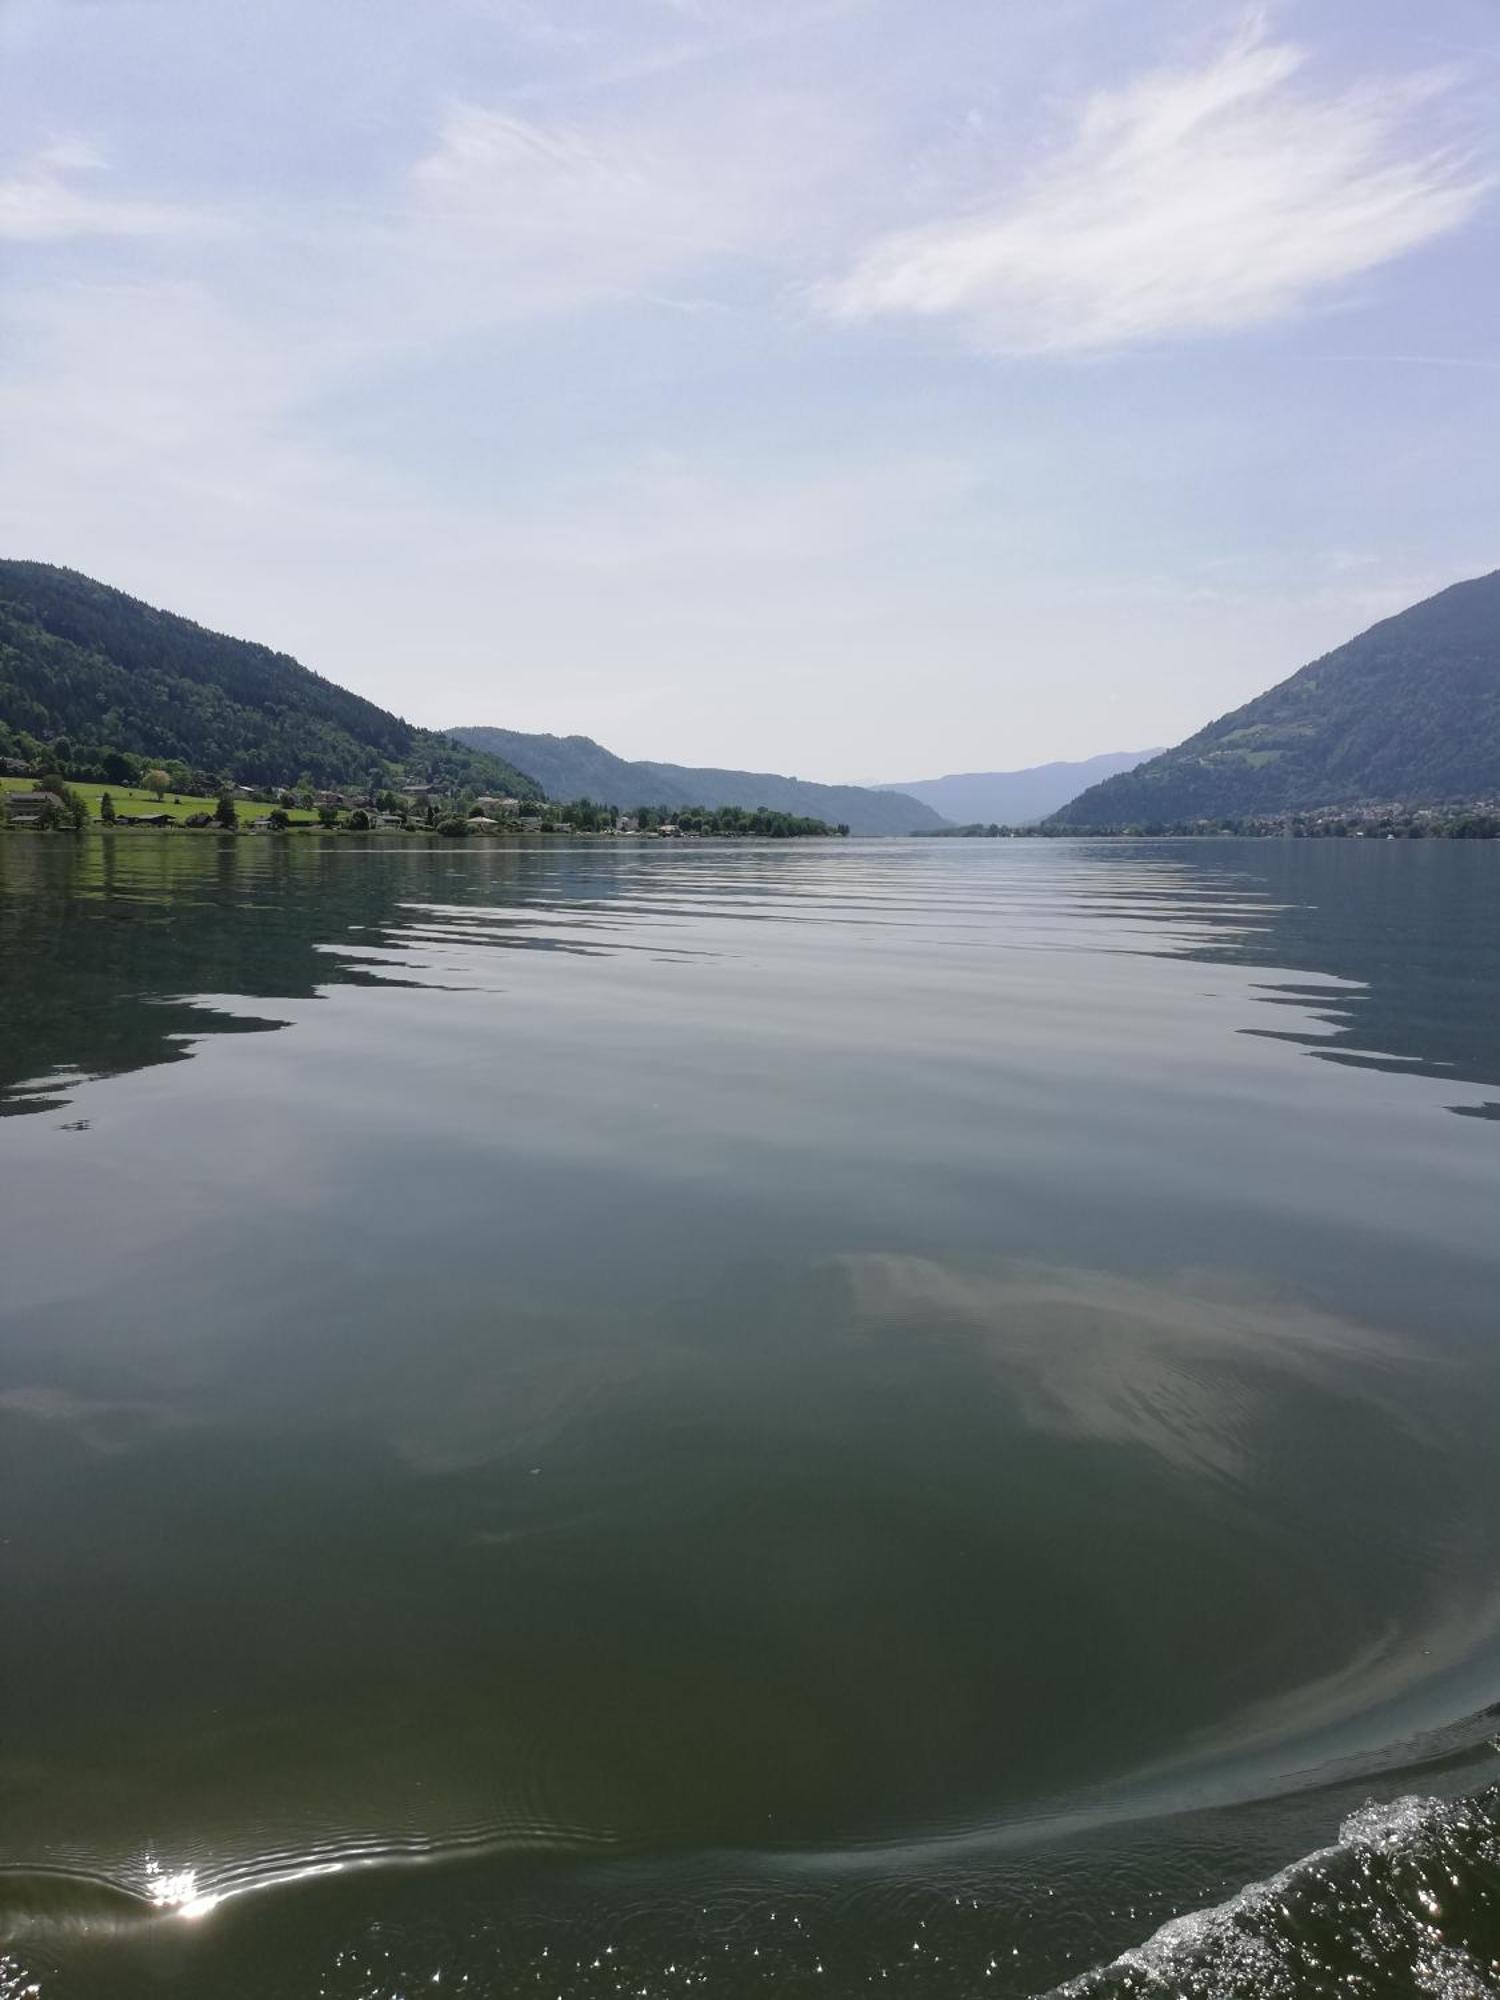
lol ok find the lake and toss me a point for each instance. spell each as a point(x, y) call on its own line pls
point(825, 1417)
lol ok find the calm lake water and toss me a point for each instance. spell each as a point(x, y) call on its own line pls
point(827, 1418)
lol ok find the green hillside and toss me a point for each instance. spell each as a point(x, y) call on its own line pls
point(1409, 711)
point(572, 767)
point(81, 661)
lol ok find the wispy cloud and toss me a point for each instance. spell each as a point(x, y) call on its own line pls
point(1193, 200)
point(63, 191)
point(481, 352)
point(537, 214)
point(155, 387)
point(550, 213)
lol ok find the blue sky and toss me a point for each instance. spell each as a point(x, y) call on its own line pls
point(860, 389)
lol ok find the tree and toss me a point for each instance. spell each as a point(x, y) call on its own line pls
point(328, 816)
point(453, 829)
point(107, 810)
point(116, 767)
point(277, 820)
point(225, 813)
point(359, 820)
point(156, 780)
point(64, 809)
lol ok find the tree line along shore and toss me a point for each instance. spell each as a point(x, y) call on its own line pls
point(155, 797)
point(1477, 819)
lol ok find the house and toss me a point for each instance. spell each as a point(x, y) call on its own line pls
point(28, 807)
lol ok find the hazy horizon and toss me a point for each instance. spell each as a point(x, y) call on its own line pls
point(791, 386)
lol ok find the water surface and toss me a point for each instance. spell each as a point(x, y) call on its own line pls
point(616, 1418)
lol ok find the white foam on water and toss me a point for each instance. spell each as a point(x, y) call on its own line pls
point(1240, 1946)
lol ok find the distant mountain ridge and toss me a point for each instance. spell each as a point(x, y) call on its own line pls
point(1016, 798)
point(1408, 712)
point(574, 767)
point(81, 660)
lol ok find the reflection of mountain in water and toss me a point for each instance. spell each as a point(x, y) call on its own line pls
point(106, 946)
point(112, 950)
point(1412, 928)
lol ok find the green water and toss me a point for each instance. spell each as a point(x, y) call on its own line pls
point(617, 1419)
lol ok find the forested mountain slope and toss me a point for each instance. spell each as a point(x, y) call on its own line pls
point(578, 767)
point(83, 661)
point(1409, 711)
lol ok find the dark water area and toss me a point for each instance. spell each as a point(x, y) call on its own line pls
point(607, 1419)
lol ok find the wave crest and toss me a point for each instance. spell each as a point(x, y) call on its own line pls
point(1405, 1903)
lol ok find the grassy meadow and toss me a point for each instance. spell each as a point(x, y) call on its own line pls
point(132, 800)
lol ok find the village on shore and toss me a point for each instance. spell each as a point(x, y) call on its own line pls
point(1460, 819)
point(47, 801)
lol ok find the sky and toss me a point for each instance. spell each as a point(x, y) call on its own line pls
point(864, 389)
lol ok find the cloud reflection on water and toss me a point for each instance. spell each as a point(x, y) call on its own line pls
point(1182, 1368)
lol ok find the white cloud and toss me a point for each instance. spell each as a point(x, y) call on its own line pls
point(530, 215)
point(152, 388)
point(1190, 201)
point(50, 197)
point(552, 214)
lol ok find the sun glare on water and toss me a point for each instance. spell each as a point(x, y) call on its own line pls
point(178, 1893)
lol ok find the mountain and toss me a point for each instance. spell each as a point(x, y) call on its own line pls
point(1409, 712)
point(1015, 798)
point(576, 767)
point(82, 661)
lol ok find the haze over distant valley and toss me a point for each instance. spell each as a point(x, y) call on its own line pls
point(1016, 798)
